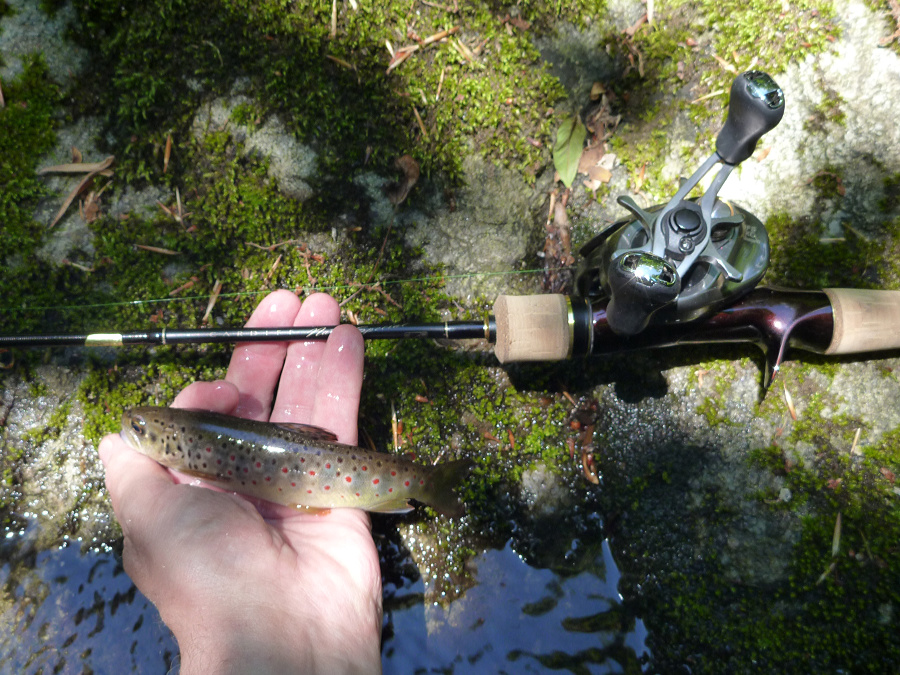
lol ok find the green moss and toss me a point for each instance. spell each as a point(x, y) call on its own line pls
point(293, 66)
point(52, 426)
point(27, 130)
point(801, 259)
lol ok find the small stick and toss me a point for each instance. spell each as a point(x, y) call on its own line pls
point(78, 167)
point(421, 123)
point(156, 249)
point(167, 153)
point(718, 92)
point(217, 288)
point(440, 84)
point(333, 19)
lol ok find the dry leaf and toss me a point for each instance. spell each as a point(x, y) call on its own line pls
point(590, 158)
point(397, 192)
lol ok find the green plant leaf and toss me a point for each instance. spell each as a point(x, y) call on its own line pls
point(567, 149)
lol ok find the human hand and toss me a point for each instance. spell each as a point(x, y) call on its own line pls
point(254, 586)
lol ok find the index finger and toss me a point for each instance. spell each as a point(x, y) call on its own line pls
point(256, 366)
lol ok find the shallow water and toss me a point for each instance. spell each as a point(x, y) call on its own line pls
point(518, 619)
point(73, 609)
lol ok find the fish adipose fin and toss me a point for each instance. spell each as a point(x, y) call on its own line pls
point(444, 480)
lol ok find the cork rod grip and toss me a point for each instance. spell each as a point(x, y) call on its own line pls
point(864, 321)
point(532, 328)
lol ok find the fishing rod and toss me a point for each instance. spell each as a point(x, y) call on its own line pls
point(684, 272)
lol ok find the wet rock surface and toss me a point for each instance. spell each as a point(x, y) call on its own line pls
point(693, 515)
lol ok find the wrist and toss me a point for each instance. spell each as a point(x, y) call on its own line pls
point(263, 641)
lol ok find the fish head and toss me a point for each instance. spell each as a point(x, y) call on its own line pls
point(135, 430)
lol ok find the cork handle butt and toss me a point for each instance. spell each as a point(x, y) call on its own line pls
point(532, 328)
point(864, 321)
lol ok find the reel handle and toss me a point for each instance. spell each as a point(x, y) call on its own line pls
point(756, 107)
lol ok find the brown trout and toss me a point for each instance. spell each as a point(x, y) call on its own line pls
point(293, 464)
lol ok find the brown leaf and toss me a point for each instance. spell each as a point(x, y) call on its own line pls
point(590, 158)
point(397, 192)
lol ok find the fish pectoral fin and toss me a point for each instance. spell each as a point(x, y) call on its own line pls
point(312, 431)
point(398, 505)
point(212, 479)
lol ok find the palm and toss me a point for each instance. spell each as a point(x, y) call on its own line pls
point(322, 569)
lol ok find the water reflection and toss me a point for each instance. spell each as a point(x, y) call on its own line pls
point(68, 610)
point(74, 610)
point(518, 619)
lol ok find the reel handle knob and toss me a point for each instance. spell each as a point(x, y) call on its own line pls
point(756, 107)
point(640, 284)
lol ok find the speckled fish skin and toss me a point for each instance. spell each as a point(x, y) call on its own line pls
point(295, 465)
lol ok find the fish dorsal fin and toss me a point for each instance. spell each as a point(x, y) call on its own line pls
point(310, 430)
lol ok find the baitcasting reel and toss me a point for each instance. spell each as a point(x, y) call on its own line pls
point(690, 257)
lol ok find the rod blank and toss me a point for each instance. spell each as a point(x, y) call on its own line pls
point(451, 330)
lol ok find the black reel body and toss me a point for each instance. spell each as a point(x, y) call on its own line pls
point(706, 288)
point(688, 258)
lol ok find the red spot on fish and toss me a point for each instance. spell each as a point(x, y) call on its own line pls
point(349, 480)
point(406, 483)
point(246, 470)
point(218, 461)
point(393, 473)
point(312, 473)
point(229, 472)
point(390, 489)
point(302, 460)
point(365, 468)
point(421, 482)
point(309, 492)
point(209, 449)
point(327, 487)
point(328, 466)
point(253, 481)
point(258, 464)
point(293, 484)
point(357, 494)
point(232, 458)
point(374, 481)
point(268, 478)
point(284, 470)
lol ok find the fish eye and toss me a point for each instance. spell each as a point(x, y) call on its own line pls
point(138, 424)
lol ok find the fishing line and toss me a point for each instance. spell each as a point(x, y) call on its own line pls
point(241, 294)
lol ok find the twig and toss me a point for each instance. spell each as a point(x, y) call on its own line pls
point(421, 123)
point(167, 153)
point(273, 246)
point(82, 185)
point(78, 167)
point(156, 249)
point(333, 19)
point(440, 84)
point(400, 55)
point(718, 92)
point(217, 288)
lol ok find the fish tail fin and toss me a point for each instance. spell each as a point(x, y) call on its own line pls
point(439, 493)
